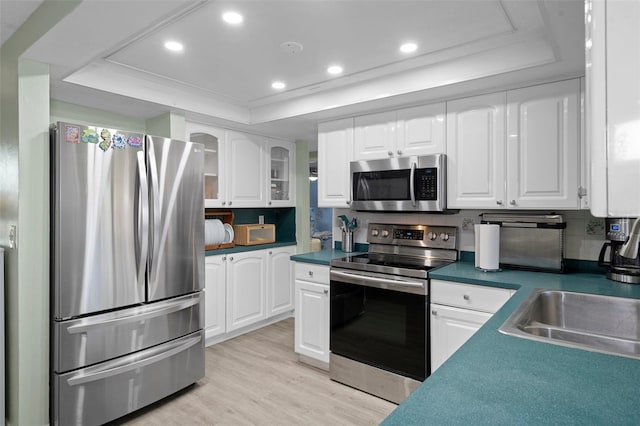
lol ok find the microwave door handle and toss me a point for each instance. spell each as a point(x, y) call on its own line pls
point(412, 186)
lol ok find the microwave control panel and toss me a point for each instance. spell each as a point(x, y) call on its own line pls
point(427, 184)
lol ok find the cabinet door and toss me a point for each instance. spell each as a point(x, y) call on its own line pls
point(282, 162)
point(450, 329)
point(420, 130)
point(246, 172)
point(543, 146)
point(375, 136)
point(213, 140)
point(312, 320)
point(335, 151)
point(475, 152)
point(246, 274)
point(215, 277)
point(279, 280)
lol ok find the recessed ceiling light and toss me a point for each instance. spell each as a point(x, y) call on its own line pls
point(174, 46)
point(233, 18)
point(408, 47)
point(334, 69)
point(278, 85)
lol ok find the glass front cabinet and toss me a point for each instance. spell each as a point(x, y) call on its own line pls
point(281, 191)
point(213, 140)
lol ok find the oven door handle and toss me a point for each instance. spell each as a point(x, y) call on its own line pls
point(412, 184)
point(378, 282)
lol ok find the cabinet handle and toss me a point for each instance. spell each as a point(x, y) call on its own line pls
point(326, 291)
point(434, 313)
point(399, 152)
point(466, 297)
point(390, 153)
point(499, 202)
point(512, 202)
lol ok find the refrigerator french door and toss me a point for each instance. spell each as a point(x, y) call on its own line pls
point(127, 270)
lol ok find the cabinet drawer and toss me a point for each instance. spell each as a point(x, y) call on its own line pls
point(479, 298)
point(312, 272)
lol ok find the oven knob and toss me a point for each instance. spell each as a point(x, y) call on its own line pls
point(385, 233)
point(432, 236)
point(374, 232)
point(444, 237)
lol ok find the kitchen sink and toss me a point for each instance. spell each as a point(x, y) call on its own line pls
point(586, 321)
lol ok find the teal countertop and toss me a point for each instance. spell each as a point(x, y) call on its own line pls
point(322, 257)
point(500, 379)
point(239, 249)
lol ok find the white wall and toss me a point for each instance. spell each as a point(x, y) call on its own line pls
point(584, 235)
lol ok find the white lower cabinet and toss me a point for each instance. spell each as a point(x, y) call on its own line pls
point(312, 312)
point(243, 289)
point(457, 312)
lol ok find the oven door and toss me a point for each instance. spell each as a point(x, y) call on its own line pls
point(380, 320)
point(399, 184)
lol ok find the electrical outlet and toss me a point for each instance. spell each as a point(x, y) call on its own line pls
point(594, 227)
point(261, 219)
point(467, 224)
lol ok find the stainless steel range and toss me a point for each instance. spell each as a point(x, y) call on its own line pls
point(379, 337)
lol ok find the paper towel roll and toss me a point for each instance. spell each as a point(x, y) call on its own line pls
point(487, 247)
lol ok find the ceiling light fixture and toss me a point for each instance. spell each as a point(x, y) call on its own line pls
point(408, 47)
point(233, 18)
point(279, 85)
point(334, 69)
point(174, 46)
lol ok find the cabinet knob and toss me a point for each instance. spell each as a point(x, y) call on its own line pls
point(269, 202)
point(229, 202)
point(512, 202)
point(270, 252)
point(399, 152)
point(499, 202)
point(310, 273)
point(224, 203)
point(224, 258)
point(348, 202)
point(390, 153)
point(466, 297)
point(434, 313)
point(231, 258)
point(326, 292)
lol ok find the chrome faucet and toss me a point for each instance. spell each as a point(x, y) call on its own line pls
point(630, 248)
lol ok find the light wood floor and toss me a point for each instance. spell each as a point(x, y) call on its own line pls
point(256, 379)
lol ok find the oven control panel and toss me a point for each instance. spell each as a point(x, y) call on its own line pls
point(413, 235)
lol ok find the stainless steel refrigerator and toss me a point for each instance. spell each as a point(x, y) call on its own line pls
point(127, 270)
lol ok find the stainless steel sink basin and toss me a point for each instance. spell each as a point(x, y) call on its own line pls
point(585, 321)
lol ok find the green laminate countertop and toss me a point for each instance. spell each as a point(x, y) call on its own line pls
point(322, 257)
point(500, 379)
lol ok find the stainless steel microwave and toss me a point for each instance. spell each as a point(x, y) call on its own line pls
point(416, 183)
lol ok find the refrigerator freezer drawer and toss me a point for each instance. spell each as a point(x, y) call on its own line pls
point(107, 391)
point(90, 340)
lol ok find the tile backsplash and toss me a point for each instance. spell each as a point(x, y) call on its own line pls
point(584, 235)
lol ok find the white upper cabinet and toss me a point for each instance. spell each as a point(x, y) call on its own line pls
point(213, 140)
point(613, 106)
point(247, 175)
point(281, 188)
point(475, 152)
point(375, 136)
point(411, 131)
point(244, 170)
point(543, 156)
point(335, 152)
point(420, 130)
point(518, 149)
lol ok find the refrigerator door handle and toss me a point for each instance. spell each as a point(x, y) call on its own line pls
point(144, 201)
point(140, 314)
point(155, 202)
point(134, 361)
